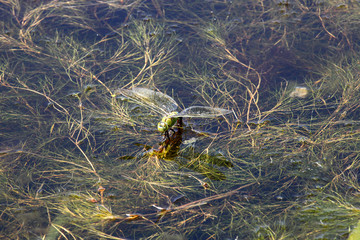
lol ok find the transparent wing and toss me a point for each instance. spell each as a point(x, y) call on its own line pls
point(202, 112)
point(156, 101)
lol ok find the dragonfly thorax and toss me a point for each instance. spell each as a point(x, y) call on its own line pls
point(167, 122)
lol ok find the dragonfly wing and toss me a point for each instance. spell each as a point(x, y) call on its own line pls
point(157, 101)
point(202, 112)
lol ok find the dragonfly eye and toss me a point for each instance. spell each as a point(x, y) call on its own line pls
point(162, 126)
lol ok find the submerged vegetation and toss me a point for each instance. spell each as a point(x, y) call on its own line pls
point(78, 161)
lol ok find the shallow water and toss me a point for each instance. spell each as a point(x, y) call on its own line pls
point(80, 162)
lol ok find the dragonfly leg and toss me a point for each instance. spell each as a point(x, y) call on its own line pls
point(167, 135)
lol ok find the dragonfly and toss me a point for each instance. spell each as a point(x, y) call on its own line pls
point(167, 107)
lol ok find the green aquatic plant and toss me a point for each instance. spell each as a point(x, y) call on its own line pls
point(78, 162)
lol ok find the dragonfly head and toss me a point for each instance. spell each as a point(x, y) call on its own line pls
point(167, 122)
point(162, 126)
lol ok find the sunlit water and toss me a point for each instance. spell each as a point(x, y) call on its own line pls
point(267, 91)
